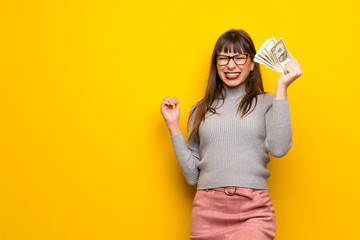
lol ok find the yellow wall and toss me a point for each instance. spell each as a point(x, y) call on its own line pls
point(86, 154)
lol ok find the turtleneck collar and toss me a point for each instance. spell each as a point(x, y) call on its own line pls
point(234, 92)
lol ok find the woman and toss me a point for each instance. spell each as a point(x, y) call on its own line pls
point(227, 152)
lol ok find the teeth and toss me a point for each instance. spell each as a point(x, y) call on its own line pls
point(232, 74)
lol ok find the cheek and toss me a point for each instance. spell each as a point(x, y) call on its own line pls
point(219, 72)
point(246, 68)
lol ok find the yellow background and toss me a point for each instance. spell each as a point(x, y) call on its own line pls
point(86, 154)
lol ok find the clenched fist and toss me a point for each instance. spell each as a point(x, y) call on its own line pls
point(292, 71)
point(171, 114)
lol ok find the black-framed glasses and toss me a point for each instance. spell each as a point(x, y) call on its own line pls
point(239, 59)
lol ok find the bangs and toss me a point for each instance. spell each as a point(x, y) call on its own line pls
point(233, 42)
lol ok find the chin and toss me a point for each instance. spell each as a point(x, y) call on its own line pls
point(234, 84)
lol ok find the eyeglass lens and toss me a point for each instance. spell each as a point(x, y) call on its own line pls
point(224, 60)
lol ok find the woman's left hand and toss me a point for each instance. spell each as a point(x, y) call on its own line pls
point(292, 71)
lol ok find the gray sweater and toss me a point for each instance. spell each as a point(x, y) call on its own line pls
point(234, 151)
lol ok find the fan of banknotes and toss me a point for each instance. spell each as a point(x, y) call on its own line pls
point(273, 54)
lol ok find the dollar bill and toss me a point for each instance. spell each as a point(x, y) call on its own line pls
point(264, 56)
point(280, 53)
point(273, 54)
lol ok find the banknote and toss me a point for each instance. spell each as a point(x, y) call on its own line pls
point(273, 54)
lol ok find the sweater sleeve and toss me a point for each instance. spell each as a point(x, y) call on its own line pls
point(279, 133)
point(188, 155)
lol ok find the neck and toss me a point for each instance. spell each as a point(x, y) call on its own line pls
point(234, 92)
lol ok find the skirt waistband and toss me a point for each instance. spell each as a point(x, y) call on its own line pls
point(230, 190)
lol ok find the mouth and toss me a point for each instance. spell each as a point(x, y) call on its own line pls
point(232, 75)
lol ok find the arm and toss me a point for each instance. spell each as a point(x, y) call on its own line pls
point(278, 139)
point(187, 154)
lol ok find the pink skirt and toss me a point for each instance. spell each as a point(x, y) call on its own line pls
point(244, 214)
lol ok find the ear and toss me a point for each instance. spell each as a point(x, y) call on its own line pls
point(252, 66)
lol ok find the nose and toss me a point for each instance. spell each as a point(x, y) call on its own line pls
point(231, 63)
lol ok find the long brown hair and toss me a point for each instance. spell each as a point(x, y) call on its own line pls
point(240, 41)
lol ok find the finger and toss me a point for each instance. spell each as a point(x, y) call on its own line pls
point(172, 100)
point(298, 64)
point(286, 69)
point(170, 104)
point(174, 103)
point(287, 64)
point(164, 103)
point(167, 103)
point(291, 63)
point(291, 69)
point(296, 67)
point(295, 71)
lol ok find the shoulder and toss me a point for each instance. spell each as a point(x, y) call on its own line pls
point(194, 107)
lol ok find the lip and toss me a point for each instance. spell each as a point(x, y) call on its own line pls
point(232, 78)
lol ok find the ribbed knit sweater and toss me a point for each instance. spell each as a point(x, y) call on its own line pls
point(234, 151)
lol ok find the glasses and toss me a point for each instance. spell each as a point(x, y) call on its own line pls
point(239, 59)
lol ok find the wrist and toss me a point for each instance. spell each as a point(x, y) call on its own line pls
point(281, 85)
point(174, 128)
point(281, 91)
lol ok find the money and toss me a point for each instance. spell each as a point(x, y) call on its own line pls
point(273, 54)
